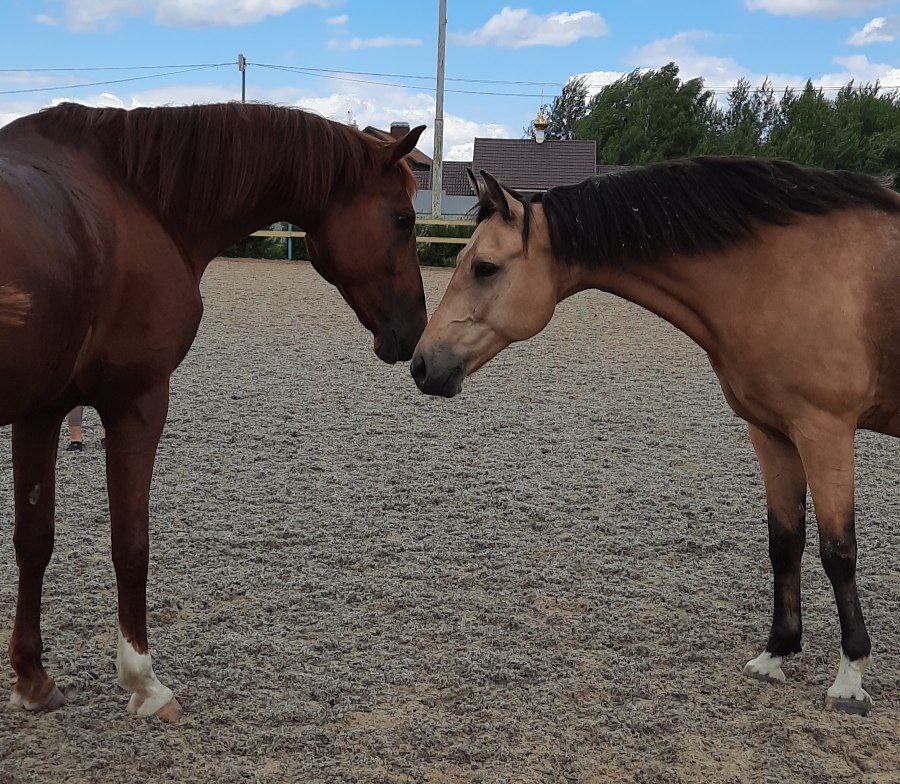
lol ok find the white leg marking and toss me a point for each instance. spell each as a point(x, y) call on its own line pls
point(848, 684)
point(136, 675)
point(765, 667)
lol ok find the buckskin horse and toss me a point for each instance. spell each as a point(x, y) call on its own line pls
point(789, 279)
point(109, 219)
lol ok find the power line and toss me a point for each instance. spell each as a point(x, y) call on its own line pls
point(300, 72)
point(331, 74)
point(309, 70)
point(111, 81)
point(113, 68)
point(429, 77)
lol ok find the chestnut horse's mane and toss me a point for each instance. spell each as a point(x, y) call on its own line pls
point(688, 207)
point(207, 162)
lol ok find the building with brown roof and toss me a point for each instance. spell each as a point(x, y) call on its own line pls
point(419, 162)
point(529, 166)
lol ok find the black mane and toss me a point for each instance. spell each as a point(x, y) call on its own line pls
point(692, 206)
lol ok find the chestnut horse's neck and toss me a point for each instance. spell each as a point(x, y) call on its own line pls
point(215, 173)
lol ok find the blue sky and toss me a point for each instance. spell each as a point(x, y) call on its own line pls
point(829, 41)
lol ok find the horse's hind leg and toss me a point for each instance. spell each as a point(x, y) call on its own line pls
point(827, 453)
point(785, 482)
point(34, 446)
point(133, 429)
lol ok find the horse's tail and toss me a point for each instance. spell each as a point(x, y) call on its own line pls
point(15, 305)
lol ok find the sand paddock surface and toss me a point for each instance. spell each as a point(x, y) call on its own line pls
point(555, 577)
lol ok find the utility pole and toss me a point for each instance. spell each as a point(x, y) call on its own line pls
point(437, 164)
point(242, 67)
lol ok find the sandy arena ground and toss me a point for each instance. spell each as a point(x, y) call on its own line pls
point(555, 577)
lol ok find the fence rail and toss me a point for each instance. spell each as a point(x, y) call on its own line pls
point(419, 222)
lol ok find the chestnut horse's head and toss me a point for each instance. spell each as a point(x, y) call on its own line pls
point(365, 244)
point(505, 289)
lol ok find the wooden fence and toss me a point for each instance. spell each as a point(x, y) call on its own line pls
point(420, 222)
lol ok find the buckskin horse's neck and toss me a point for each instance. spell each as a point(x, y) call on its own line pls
point(673, 289)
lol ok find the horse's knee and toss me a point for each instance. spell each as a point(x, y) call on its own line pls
point(839, 557)
point(131, 558)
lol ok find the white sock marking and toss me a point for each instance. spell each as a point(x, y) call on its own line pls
point(766, 666)
point(136, 675)
point(848, 684)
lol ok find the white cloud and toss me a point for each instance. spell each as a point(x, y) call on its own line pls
point(338, 21)
point(717, 71)
point(513, 28)
point(880, 30)
point(827, 8)
point(595, 80)
point(87, 15)
point(379, 42)
point(724, 72)
point(858, 68)
point(378, 106)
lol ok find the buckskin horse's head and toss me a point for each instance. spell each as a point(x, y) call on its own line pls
point(504, 289)
point(365, 244)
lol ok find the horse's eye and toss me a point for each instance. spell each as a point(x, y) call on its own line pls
point(484, 269)
point(405, 221)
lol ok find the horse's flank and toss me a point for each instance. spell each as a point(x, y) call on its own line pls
point(15, 305)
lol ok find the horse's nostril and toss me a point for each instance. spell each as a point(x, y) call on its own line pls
point(419, 369)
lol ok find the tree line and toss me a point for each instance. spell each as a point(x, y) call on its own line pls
point(650, 116)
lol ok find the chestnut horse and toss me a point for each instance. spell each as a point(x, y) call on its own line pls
point(109, 219)
point(788, 278)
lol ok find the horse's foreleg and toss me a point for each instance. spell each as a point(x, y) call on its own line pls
point(785, 482)
point(827, 453)
point(133, 430)
point(34, 446)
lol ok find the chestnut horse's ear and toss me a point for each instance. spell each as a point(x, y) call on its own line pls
point(500, 198)
point(403, 147)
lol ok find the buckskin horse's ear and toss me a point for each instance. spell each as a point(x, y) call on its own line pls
point(502, 200)
point(403, 147)
point(473, 181)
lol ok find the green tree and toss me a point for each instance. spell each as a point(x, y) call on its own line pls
point(567, 109)
point(654, 115)
point(859, 130)
point(649, 116)
point(744, 127)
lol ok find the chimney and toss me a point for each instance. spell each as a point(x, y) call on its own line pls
point(399, 129)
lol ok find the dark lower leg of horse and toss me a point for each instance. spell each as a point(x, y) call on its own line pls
point(785, 482)
point(828, 460)
point(34, 459)
point(839, 559)
point(786, 542)
point(134, 433)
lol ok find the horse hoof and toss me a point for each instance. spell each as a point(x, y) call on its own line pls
point(52, 701)
point(765, 667)
point(849, 705)
point(170, 712)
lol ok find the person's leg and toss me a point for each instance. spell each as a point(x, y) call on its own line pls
point(76, 429)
